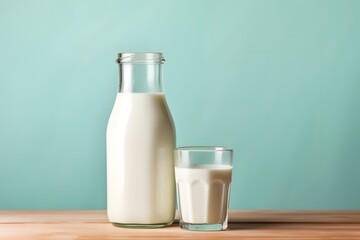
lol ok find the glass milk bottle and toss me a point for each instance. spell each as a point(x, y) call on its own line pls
point(140, 140)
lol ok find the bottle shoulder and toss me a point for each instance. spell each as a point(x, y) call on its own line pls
point(141, 107)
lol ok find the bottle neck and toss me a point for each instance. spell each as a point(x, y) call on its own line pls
point(140, 78)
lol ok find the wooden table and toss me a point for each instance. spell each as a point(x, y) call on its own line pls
point(268, 225)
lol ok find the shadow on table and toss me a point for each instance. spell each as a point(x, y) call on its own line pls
point(258, 225)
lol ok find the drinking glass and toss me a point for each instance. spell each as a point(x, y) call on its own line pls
point(203, 177)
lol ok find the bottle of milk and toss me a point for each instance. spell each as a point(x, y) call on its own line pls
point(140, 140)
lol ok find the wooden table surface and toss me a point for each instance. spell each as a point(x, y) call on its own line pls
point(253, 225)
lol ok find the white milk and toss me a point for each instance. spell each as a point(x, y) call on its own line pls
point(140, 168)
point(203, 193)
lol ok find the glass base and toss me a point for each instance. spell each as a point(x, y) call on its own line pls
point(130, 225)
point(203, 227)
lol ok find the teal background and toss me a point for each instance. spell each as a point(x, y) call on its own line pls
point(277, 80)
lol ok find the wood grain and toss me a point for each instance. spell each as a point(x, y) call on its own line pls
point(243, 225)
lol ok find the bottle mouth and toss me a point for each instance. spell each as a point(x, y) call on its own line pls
point(141, 58)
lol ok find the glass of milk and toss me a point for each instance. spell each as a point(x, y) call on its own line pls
point(203, 177)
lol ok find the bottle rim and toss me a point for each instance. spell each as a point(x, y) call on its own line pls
point(140, 58)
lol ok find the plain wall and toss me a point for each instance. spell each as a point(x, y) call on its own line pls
point(279, 81)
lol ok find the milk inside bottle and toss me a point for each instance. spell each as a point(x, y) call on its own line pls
point(140, 140)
